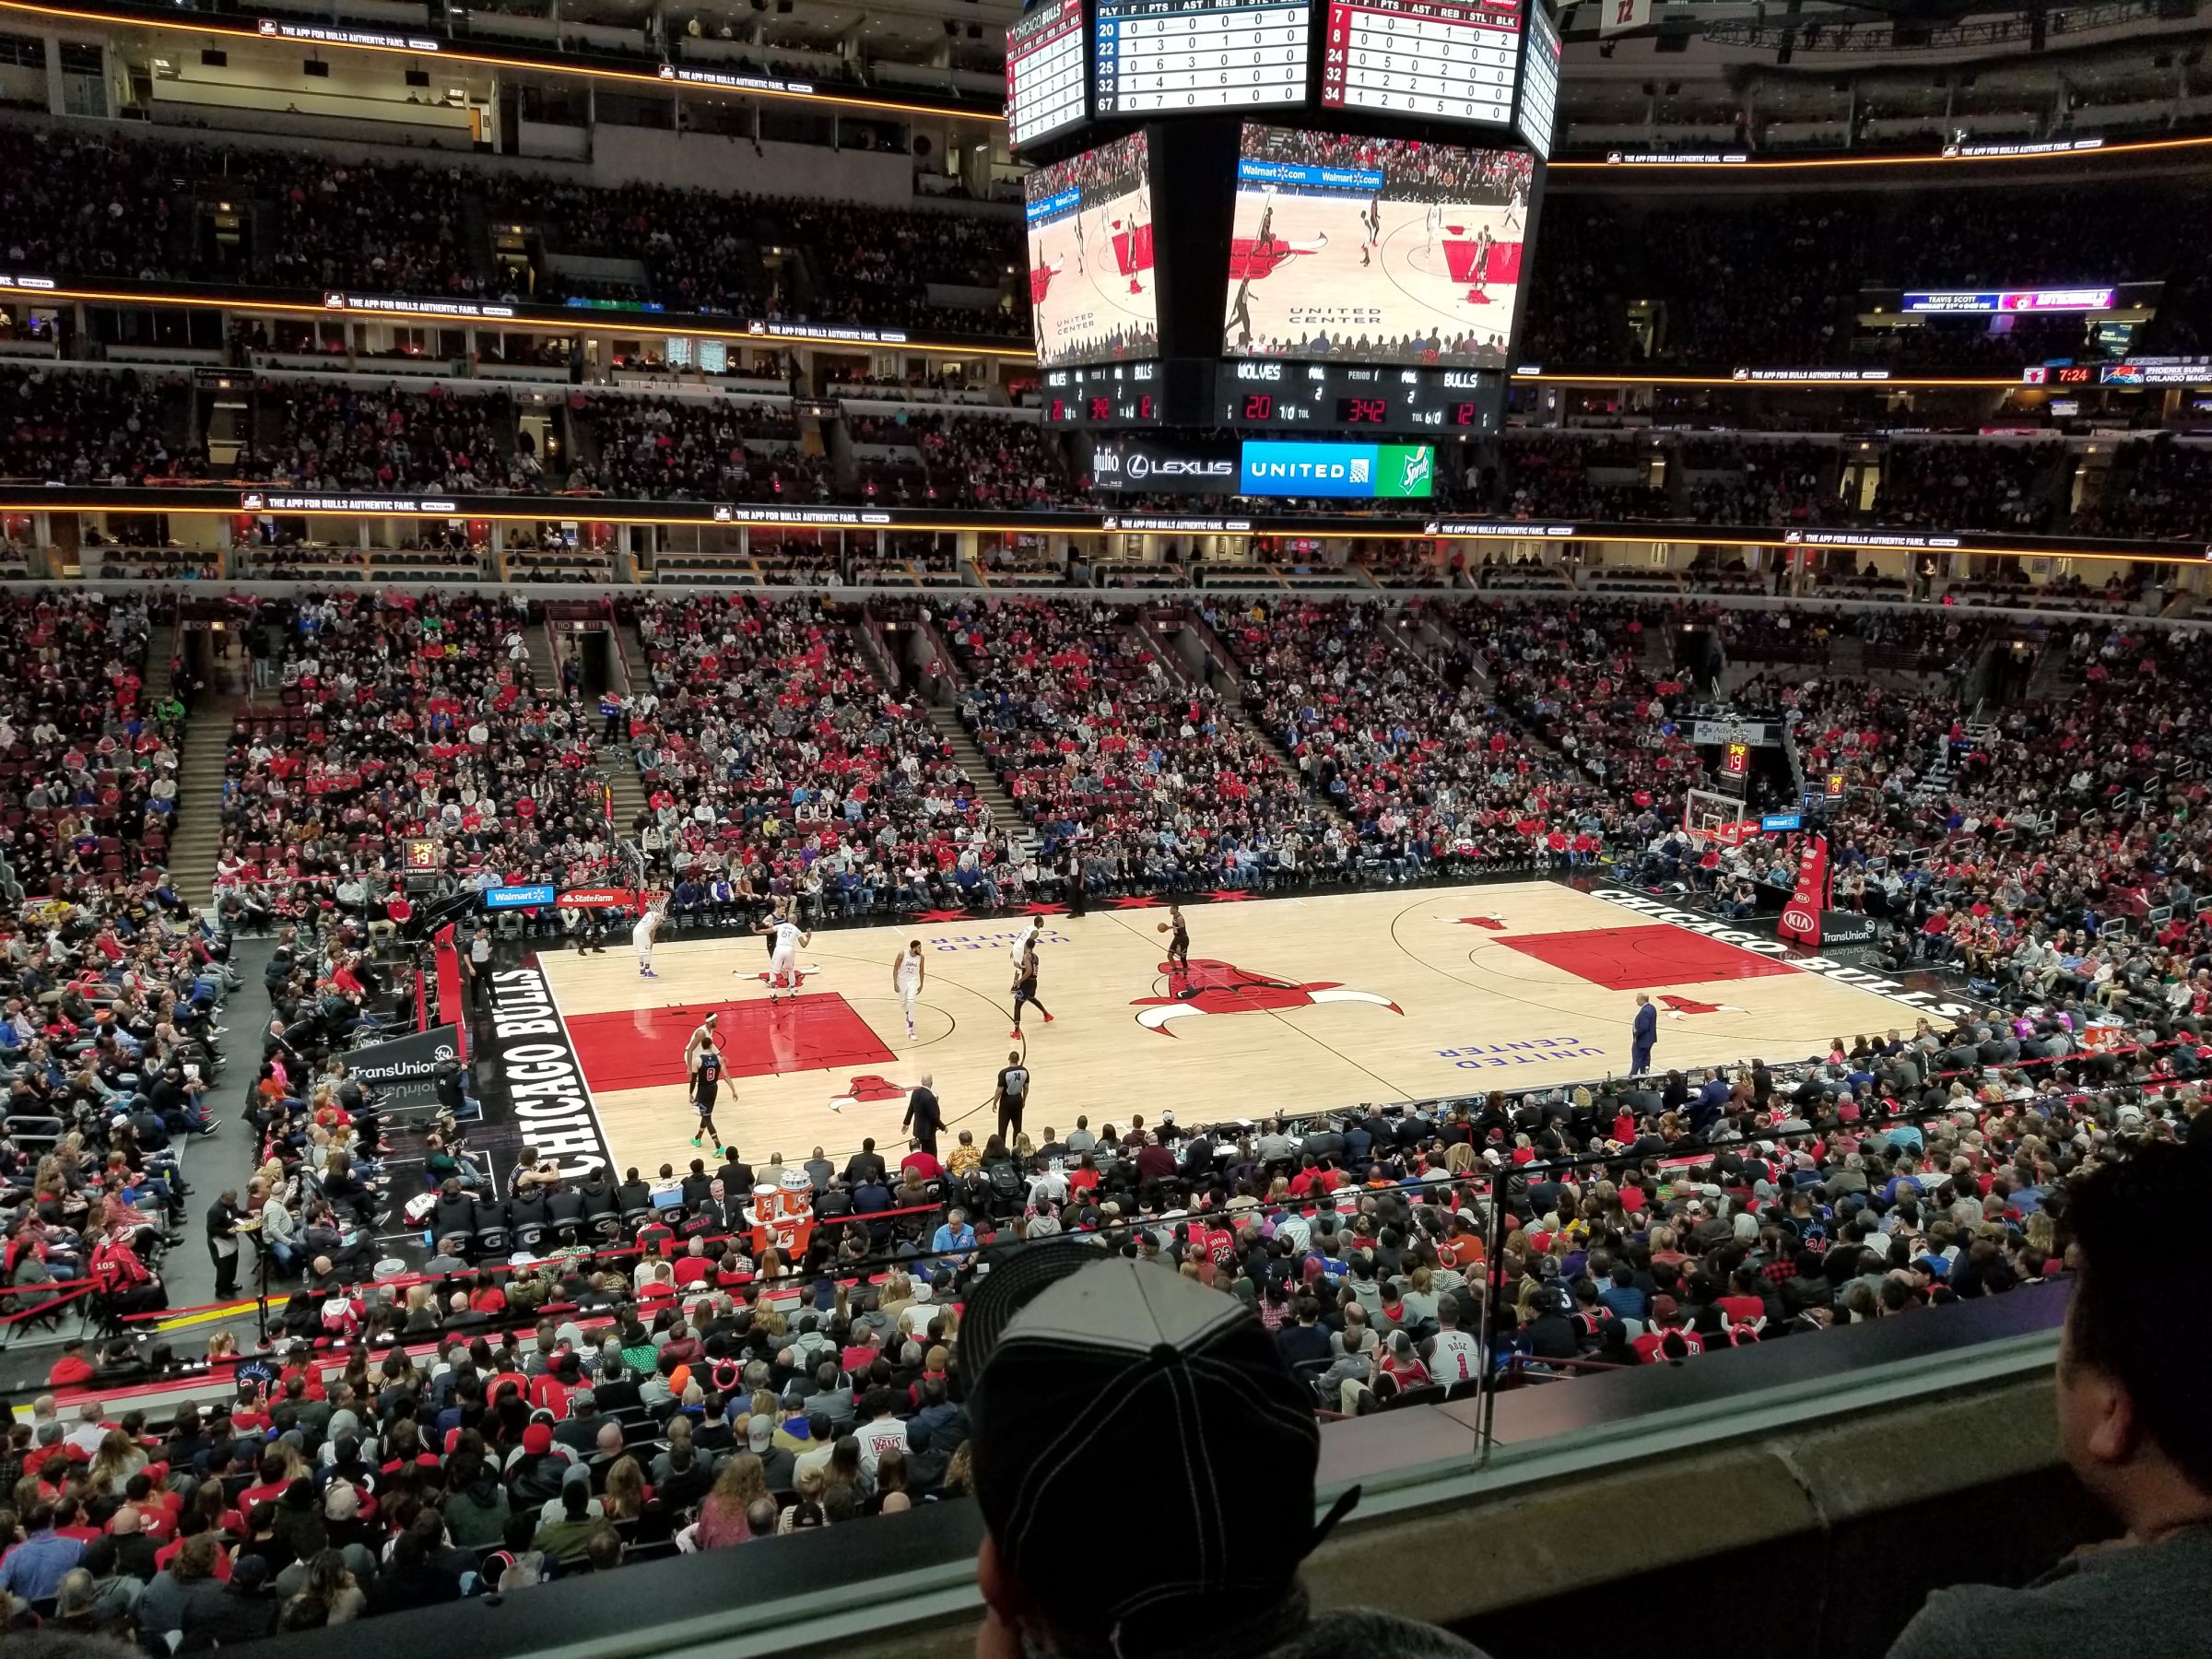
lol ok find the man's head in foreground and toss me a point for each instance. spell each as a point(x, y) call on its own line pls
point(1090, 1371)
point(2131, 1417)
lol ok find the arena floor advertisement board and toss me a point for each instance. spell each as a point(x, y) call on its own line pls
point(403, 1072)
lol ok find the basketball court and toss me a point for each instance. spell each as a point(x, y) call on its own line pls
point(1091, 278)
point(1322, 269)
point(1292, 1003)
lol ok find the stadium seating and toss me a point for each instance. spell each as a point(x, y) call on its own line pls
point(775, 766)
point(1098, 736)
point(123, 208)
point(394, 717)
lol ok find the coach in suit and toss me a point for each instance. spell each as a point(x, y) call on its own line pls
point(924, 1116)
point(1642, 1035)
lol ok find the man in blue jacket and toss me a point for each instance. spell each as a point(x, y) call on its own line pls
point(1642, 1035)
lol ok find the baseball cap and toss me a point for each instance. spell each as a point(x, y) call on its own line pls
point(537, 1438)
point(1072, 1354)
point(760, 1433)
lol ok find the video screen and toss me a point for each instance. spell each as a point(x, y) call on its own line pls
point(1091, 281)
point(1375, 250)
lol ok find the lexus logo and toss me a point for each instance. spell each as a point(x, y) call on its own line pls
point(1141, 466)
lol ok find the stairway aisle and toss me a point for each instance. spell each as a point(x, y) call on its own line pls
point(1243, 715)
point(197, 836)
point(545, 673)
point(618, 766)
point(161, 646)
point(988, 789)
point(636, 677)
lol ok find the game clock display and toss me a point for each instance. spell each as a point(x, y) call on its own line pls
point(1105, 395)
point(1333, 397)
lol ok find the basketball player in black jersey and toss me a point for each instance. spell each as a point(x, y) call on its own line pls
point(703, 1058)
point(1179, 940)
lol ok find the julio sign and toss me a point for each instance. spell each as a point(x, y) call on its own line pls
point(1164, 467)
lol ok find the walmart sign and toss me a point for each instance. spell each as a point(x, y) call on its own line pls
point(1275, 468)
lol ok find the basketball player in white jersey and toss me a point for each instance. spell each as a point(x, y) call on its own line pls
point(641, 936)
point(783, 957)
point(1435, 223)
point(908, 977)
point(1026, 941)
point(1453, 1356)
point(703, 1067)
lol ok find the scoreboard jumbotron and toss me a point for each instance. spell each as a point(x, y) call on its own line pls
point(1309, 217)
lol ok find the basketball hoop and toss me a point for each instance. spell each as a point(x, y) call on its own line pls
point(1713, 820)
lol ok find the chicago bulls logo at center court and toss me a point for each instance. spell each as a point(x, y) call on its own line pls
point(863, 1090)
point(1680, 1008)
point(1216, 987)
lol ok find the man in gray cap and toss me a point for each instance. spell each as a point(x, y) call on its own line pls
point(1076, 1357)
point(777, 1465)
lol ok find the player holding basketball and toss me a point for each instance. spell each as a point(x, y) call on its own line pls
point(1178, 944)
point(1138, 223)
point(641, 936)
point(702, 1065)
point(908, 977)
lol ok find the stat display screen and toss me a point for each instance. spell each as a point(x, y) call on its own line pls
point(1539, 80)
point(1323, 398)
point(1044, 72)
point(1430, 58)
point(1161, 57)
point(1105, 395)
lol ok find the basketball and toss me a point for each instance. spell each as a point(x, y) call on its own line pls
point(1162, 929)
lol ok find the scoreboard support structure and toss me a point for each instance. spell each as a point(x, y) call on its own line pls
point(1328, 231)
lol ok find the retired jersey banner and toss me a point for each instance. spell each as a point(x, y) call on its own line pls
point(1800, 919)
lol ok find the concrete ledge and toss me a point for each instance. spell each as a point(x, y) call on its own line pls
point(1817, 1546)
